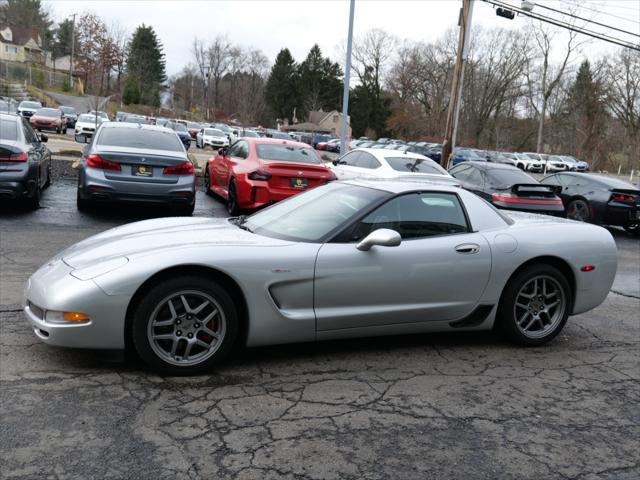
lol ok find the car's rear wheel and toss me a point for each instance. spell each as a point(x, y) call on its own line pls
point(579, 210)
point(184, 325)
point(535, 305)
point(232, 200)
point(34, 200)
point(206, 178)
point(49, 181)
point(82, 203)
point(633, 229)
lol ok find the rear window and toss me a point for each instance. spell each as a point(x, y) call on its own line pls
point(509, 177)
point(8, 129)
point(179, 127)
point(140, 138)
point(287, 153)
point(88, 119)
point(48, 112)
point(68, 110)
point(415, 165)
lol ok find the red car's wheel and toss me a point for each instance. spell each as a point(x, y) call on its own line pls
point(232, 200)
point(207, 180)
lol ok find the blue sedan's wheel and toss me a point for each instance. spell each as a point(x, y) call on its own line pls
point(184, 325)
point(535, 305)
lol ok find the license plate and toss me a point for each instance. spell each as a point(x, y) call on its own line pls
point(142, 171)
point(300, 183)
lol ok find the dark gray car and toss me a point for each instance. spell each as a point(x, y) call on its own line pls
point(25, 161)
point(127, 162)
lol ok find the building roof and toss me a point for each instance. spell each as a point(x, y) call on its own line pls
point(20, 36)
point(306, 126)
point(317, 116)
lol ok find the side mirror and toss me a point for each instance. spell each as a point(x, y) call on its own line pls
point(223, 152)
point(336, 163)
point(382, 237)
point(43, 138)
point(80, 138)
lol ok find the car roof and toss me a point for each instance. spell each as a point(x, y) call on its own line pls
point(275, 141)
point(491, 165)
point(383, 153)
point(9, 116)
point(404, 185)
point(608, 181)
point(136, 126)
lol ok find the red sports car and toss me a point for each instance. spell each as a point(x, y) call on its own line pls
point(255, 172)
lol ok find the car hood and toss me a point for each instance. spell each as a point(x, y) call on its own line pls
point(155, 236)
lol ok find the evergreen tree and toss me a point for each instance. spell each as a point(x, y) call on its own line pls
point(146, 64)
point(281, 90)
point(27, 14)
point(587, 111)
point(131, 91)
point(370, 108)
point(61, 44)
point(320, 83)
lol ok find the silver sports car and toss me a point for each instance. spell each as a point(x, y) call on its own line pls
point(347, 259)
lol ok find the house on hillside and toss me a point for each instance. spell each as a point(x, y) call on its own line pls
point(23, 45)
point(322, 122)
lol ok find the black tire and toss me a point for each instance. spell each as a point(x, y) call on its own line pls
point(508, 311)
point(579, 210)
point(185, 210)
point(58, 131)
point(206, 180)
point(82, 203)
point(633, 229)
point(232, 200)
point(49, 181)
point(64, 132)
point(154, 298)
point(34, 200)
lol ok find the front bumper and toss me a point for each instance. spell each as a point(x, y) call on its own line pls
point(53, 288)
point(46, 126)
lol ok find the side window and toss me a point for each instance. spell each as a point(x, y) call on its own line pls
point(577, 181)
point(29, 133)
point(461, 172)
point(416, 215)
point(235, 150)
point(350, 159)
point(366, 160)
point(552, 180)
point(243, 152)
point(475, 177)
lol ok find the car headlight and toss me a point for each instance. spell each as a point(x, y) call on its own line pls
point(100, 268)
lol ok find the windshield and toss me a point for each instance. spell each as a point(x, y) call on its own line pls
point(48, 112)
point(68, 110)
point(468, 154)
point(140, 138)
point(214, 132)
point(30, 105)
point(507, 177)
point(194, 126)
point(249, 133)
point(287, 153)
point(314, 214)
point(415, 165)
point(88, 119)
point(179, 127)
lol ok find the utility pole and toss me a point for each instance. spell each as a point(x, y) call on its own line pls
point(347, 77)
point(73, 42)
point(456, 88)
point(206, 91)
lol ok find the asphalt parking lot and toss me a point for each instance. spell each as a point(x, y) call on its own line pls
point(423, 406)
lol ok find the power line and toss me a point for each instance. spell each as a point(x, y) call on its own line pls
point(587, 20)
point(560, 23)
point(581, 5)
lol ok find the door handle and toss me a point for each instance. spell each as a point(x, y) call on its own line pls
point(468, 248)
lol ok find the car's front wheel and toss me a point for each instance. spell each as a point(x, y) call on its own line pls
point(633, 228)
point(184, 325)
point(535, 305)
point(232, 200)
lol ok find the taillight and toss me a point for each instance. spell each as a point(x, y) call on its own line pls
point(259, 175)
point(509, 198)
point(14, 157)
point(623, 198)
point(96, 161)
point(185, 168)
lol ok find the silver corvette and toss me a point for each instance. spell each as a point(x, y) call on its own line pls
point(347, 259)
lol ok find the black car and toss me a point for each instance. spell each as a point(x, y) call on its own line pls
point(507, 187)
point(183, 133)
point(598, 199)
point(25, 161)
point(434, 152)
point(70, 115)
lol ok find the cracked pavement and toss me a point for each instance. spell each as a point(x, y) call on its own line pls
point(421, 406)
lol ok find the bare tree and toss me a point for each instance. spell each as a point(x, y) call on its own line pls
point(542, 79)
point(371, 55)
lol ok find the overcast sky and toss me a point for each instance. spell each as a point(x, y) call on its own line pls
point(272, 25)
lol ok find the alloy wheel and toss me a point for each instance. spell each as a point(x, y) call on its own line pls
point(186, 328)
point(578, 210)
point(539, 307)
